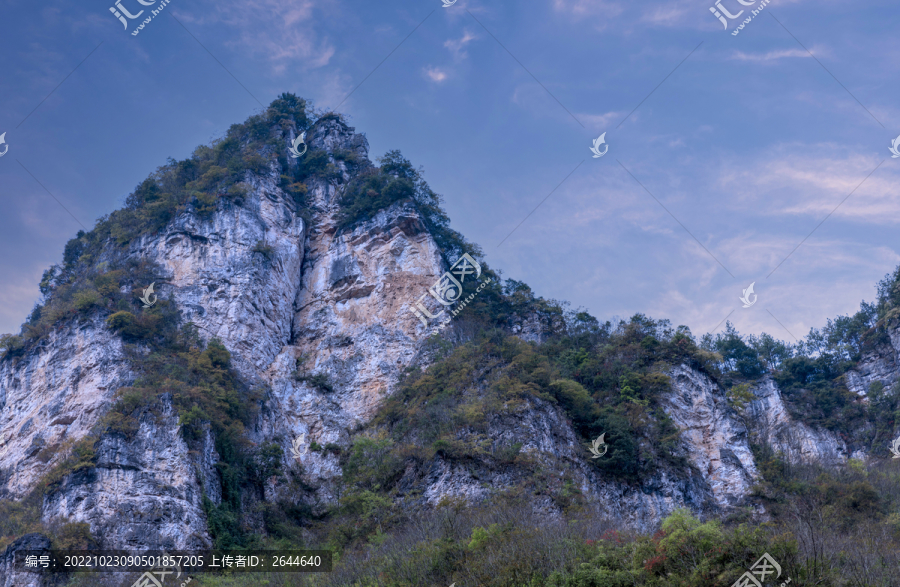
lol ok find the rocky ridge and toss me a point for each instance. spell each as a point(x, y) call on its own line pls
point(333, 303)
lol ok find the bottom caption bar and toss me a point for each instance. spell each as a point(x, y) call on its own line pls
point(159, 564)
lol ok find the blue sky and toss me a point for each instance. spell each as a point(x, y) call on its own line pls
point(748, 144)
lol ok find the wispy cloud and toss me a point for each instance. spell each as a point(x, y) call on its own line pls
point(670, 14)
point(771, 55)
point(458, 46)
point(602, 9)
point(289, 36)
point(600, 121)
point(435, 74)
point(813, 184)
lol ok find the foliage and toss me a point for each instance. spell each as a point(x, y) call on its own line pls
point(264, 249)
point(605, 382)
point(11, 346)
point(81, 457)
point(371, 191)
point(20, 517)
point(318, 380)
point(739, 396)
point(816, 396)
point(738, 356)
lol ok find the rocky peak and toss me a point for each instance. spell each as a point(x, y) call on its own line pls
point(315, 313)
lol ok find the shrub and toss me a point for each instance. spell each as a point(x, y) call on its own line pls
point(263, 249)
point(11, 346)
point(85, 300)
point(370, 192)
point(318, 380)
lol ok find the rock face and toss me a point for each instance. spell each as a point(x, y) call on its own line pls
point(551, 452)
point(53, 396)
point(319, 318)
point(716, 440)
point(882, 366)
point(145, 493)
point(351, 325)
point(236, 275)
point(11, 576)
point(771, 421)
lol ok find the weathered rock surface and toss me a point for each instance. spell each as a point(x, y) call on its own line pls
point(11, 576)
point(716, 440)
point(144, 493)
point(53, 396)
point(229, 290)
point(880, 366)
point(551, 454)
point(770, 420)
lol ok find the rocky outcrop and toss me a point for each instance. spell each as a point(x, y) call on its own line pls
point(15, 575)
point(550, 455)
point(351, 326)
point(771, 422)
point(236, 275)
point(52, 396)
point(143, 493)
point(715, 439)
point(879, 366)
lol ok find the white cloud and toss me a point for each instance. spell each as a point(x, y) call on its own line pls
point(669, 14)
point(600, 121)
point(435, 74)
point(770, 56)
point(583, 8)
point(457, 46)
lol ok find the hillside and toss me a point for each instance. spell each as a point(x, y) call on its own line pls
point(283, 389)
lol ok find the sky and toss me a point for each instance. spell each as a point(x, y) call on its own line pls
point(761, 157)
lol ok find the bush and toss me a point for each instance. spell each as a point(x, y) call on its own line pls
point(371, 463)
point(125, 323)
point(11, 346)
point(370, 192)
point(85, 300)
point(318, 380)
point(264, 249)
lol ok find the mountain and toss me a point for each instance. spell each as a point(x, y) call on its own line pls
point(280, 387)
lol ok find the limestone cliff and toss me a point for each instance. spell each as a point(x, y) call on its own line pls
point(296, 301)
